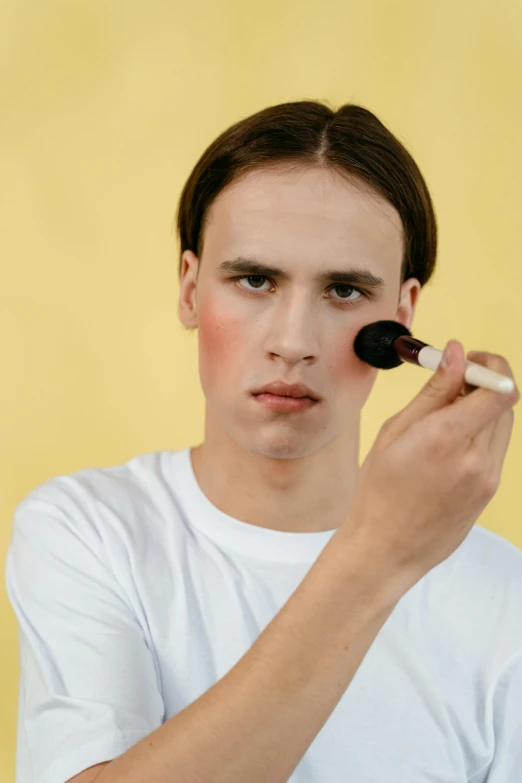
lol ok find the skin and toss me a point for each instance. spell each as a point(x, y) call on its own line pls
point(294, 472)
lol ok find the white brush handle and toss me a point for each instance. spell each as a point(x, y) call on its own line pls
point(475, 374)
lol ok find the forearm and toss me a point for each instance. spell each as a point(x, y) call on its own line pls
point(257, 721)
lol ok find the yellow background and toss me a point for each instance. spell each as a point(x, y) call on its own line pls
point(107, 105)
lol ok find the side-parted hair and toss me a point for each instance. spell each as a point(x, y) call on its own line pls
point(352, 141)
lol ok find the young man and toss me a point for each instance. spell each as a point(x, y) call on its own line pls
point(260, 608)
point(290, 471)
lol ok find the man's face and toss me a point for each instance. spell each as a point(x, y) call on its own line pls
point(254, 329)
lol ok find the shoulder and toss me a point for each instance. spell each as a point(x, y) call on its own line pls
point(493, 557)
point(477, 593)
point(97, 499)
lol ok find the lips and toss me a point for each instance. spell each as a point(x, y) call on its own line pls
point(282, 389)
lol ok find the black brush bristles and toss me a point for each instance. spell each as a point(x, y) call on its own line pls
point(374, 344)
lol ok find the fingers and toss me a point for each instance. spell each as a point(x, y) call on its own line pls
point(440, 391)
point(483, 439)
point(495, 438)
point(498, 430)
point(499, 443)
point(474, 414)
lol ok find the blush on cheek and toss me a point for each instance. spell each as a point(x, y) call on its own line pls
point(346, 365)
point(220, 337)
point(347, 370)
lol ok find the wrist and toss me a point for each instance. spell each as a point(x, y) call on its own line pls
point(363, 559)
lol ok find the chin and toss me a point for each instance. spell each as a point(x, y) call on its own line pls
point(273, 445)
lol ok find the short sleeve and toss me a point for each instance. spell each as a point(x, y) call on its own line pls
point(506, 766)
point(88, 684)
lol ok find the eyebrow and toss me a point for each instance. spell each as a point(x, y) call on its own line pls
point(353, 276)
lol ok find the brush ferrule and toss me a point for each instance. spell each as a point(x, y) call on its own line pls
point(407, 348)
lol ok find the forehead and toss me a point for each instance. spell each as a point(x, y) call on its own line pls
point(311, 206)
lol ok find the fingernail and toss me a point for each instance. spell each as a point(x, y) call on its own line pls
point(446, 357)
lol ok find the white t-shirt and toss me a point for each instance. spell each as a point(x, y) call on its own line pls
point(134, 594)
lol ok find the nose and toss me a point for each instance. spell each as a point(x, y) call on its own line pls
point(293, 333)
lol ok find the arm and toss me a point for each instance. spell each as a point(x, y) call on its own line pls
point(257, 722)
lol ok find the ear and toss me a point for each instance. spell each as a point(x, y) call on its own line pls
point(408, 300)
point(187, 305)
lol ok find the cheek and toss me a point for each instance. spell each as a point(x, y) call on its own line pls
point(221, 341)
point(353, 378)
point(344, 362)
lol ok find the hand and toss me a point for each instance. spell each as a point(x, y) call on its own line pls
point(433, 469)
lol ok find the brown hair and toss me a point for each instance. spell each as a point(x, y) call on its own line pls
point(351, 140)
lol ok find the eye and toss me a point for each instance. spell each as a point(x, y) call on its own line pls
point(252, 277)
point(341, 299)
point(350, 288)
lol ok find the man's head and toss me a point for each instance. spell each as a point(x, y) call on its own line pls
point(348, 198)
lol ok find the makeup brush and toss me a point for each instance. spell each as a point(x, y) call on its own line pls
point(387, 344)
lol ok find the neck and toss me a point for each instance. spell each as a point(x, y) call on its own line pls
point(300, 494)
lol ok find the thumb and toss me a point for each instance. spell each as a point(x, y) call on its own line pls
point(441, 389)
